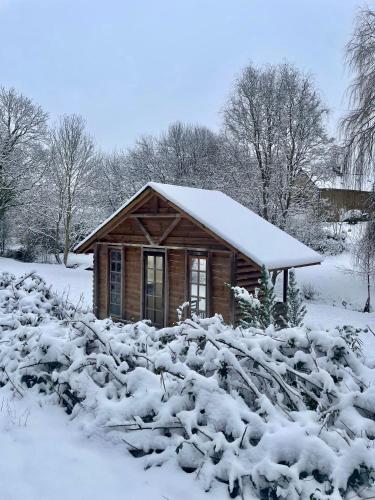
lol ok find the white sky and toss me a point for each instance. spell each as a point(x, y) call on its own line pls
point(131, 67)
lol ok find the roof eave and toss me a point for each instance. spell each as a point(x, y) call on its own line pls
point(282, 268)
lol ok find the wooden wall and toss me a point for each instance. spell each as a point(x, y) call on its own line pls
point(133, 284)
point(247, 274)
point(220, 273)
point(101, 281)
point(344, 199)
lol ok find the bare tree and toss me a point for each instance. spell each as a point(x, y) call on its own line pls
point(184, 154)
point(113, 174)
point(364, 260)
point(358, 126)
point(22, 130)
point(275, 118)
point(70, 172)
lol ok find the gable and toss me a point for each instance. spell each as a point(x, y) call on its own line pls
point(153, 221)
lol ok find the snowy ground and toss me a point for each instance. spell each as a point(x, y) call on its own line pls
point(75, 283)
point(56, 461)
point(46, 457)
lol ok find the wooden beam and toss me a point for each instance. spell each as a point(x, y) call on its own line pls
point(96, 280)
point(169, 247)
point(145, 232)
point(169, 229)
point(152, 216)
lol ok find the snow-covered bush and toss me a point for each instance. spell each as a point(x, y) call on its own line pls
point(309, 291)
point(255, 312)
point(318, 237)
point(286, 414)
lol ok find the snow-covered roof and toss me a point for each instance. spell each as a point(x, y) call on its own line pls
point(256, 238)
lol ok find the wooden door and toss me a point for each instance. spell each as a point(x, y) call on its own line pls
point(154, 287)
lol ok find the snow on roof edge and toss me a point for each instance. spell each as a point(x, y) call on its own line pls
point(314, 258)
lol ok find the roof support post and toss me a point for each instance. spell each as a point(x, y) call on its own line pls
point(285, 284)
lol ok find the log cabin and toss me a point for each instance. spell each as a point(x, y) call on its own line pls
point(171, 245)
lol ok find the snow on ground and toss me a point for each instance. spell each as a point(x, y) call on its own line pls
point(75, 282)
point(340, 297)
point(46, 457)
point(54, 458)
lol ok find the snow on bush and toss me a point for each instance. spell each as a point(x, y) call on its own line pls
point(275, 414)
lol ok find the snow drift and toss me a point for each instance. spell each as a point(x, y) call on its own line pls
point(276, 414)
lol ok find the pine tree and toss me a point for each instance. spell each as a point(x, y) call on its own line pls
point(295, 309)
point(249, 306)
point(267, 309)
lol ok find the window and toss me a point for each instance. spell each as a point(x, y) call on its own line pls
point(198, 286)
point(154, 288)
point(115, 282)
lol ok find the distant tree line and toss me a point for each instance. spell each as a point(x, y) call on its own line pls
point(56, 185)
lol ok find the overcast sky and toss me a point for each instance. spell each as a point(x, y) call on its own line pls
point(131, 67)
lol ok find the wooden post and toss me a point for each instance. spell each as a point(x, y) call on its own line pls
point(166, 289)
point(285, 284)
point(123, 278)
point(96, 280)
point(233, 258)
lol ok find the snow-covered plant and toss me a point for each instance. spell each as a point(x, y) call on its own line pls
point(249, 306)
point(182, 311)
point(287, 415)
point(257, 309)
point(296, 310)
point(309, 291)
point(267, 310)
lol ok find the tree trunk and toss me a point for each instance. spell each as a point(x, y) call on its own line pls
point(67, 234)
point(66, 243)
point(367, 308)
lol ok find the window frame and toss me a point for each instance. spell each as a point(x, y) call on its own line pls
point(112, 250)
point(155, 253)
point(206, 257)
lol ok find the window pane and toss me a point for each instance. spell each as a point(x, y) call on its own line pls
point(159, 289)
point(194, 290)
point(115, 277)
point(194, 277)
point(202, 304)
point(202, 278)
point(195, 263)
point(202, 265)
point(150, 275)
point(159, 318)
point(202, 291)
point(159, 303)
point(159, 276)
point(159, 262)
point(115, 310)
